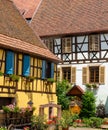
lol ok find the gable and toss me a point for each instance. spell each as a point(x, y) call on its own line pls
point(14, 25)
point(76, 91)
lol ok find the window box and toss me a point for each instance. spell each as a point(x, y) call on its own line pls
point(30, 78)
point(49, 81)
point(91, 86)
point(14, 77)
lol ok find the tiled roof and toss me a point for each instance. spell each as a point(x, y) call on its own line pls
point(21, 46)
point(14, 25)
point(75, 91)
point(16, 34)
point(55, 17)
point(27, 7)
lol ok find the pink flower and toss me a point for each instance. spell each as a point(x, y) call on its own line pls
point(22, 110)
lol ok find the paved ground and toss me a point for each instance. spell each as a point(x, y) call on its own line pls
point(73, 128)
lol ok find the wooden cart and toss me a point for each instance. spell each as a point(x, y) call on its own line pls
point(15, 120)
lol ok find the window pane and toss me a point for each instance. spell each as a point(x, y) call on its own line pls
point(94, 74)
point(67, 73)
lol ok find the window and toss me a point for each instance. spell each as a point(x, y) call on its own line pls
point(9, 62)
point(47, 69)
point(66, 71)
point(93, 74)
point(94, 42)
point(66, 45)
point(69, 74)
point(5, 101)
point(26, 65)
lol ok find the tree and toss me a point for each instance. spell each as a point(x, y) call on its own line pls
point(88, 105)
point(63, 100)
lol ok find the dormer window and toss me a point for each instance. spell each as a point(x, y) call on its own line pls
point(66, 45)
point(94, 42)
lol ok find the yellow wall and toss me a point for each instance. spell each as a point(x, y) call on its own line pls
point(23, 91)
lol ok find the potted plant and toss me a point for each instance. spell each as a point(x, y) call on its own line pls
point(3, 128)
point(14, 77)
point(1, 74)
point(94, 85)
point(30, 78)
point(39, 122)
point(49, 81)
point(88, 86)
point(66, 119)
point(91, 86)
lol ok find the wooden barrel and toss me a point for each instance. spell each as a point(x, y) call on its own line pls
point(2, 117)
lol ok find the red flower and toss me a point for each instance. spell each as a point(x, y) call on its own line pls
point(78, 120)
point(49, 122)
point(26, 128)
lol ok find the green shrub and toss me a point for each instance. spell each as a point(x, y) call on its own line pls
point(63, 99)
point(3, 128)
point(93, 122)
point(88, 105)
point(66, 119)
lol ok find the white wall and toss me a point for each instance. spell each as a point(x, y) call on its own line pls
point(101, 93)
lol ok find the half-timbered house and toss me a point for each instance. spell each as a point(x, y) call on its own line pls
point(77, 32)
point(27, 67)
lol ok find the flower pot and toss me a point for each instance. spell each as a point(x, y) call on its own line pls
point(65, 128)
point(51, 127)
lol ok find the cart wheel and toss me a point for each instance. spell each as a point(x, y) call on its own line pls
point(11, 127)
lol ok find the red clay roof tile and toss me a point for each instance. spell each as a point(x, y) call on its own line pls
point(15, 33)
point(27, 7)
point(21, 46)
point(55, 17)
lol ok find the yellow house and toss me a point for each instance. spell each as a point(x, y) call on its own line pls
point(27, 67)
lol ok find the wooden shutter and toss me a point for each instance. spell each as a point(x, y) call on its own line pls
point(26, 65)
point(58, 74)
point(43, 69)
point(10, 62)
point(102, 75)
point(84, 75)
point(94, 42)
point(49, 43)
point(52, 70)
point(73, 75)
point(63, 45)
point(66, 45)
point(61, 74)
